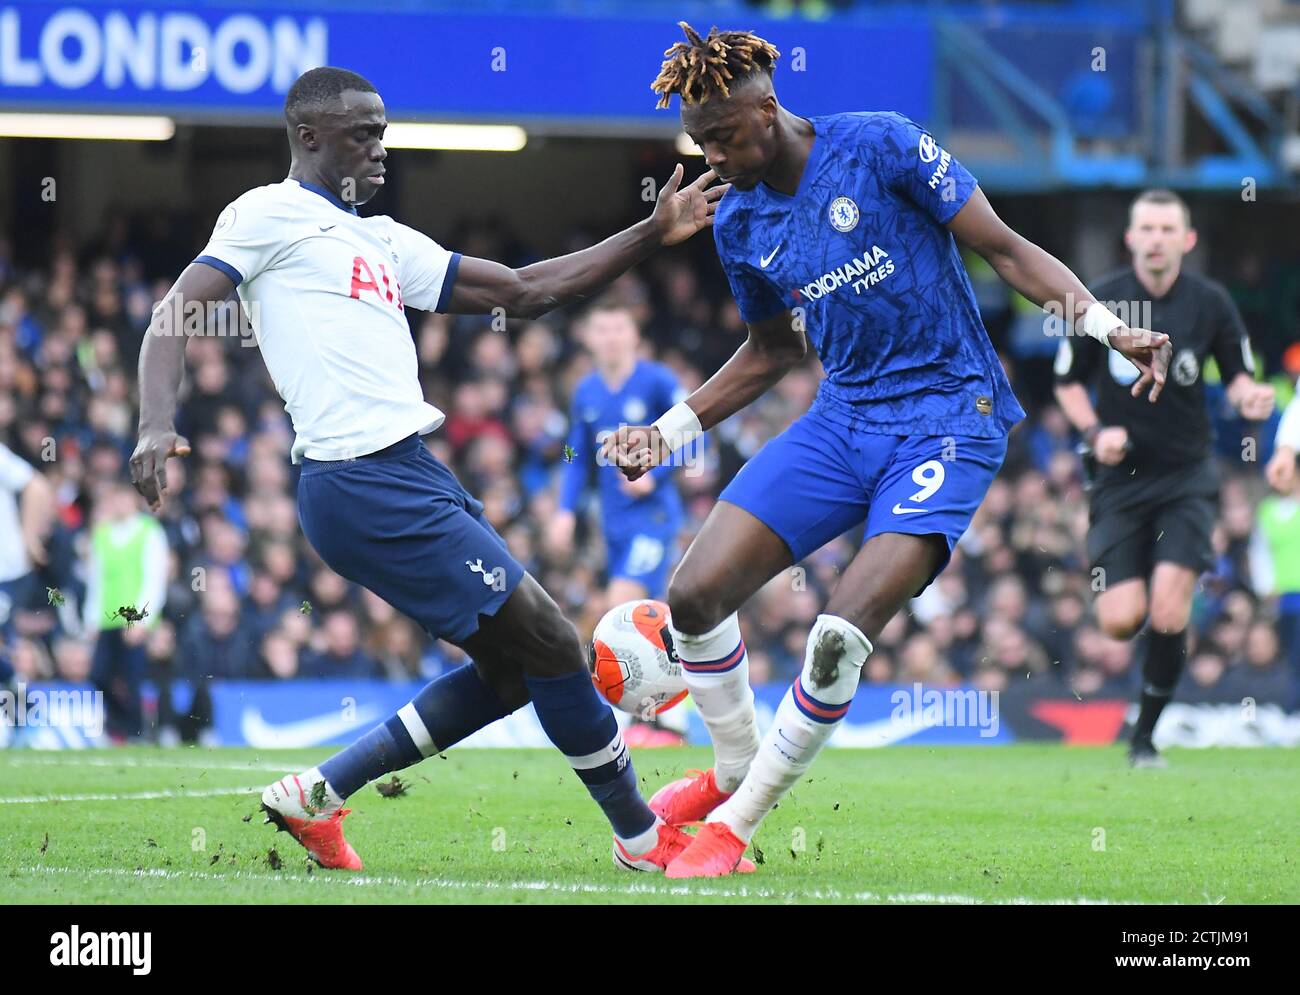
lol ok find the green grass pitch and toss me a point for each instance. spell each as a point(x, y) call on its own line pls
point(1036, 823)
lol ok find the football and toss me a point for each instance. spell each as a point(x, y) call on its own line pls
point(633, 663)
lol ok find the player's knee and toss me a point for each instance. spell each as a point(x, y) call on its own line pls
point(546, 643)
point(837, 649)
point(1120, 625)
point(1170, 615)
point(1121, 619)
point(558, 650)
point(693, 609)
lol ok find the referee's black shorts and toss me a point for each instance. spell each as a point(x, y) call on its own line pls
point(1155, 516)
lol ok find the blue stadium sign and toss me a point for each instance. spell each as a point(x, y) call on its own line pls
point(227, 61)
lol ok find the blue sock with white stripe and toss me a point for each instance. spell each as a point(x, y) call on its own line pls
point(441, 715)
point(583, 728)
point(809, 713)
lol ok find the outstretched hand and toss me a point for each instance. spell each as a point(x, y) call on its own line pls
point(634, 449)
point(1150, 352)
point(680, 213)
point(149, 463)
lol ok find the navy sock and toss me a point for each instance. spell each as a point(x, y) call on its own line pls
point(441, 715)
point(583, 728)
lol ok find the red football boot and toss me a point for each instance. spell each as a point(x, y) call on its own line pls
point(689, 800)
point(317, 828)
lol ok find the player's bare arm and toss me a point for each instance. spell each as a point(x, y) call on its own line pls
point(531, 291)
point(773, 348)
point(36, 507)
point(1041, 277)
point(162, 362)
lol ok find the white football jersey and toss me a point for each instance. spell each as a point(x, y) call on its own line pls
point(325, 290)
point(15, 475)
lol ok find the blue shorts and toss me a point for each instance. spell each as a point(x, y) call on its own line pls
point(399, 523)
point(818, 479)
point(644, 556)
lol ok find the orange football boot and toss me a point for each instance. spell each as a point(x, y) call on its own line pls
point(672, 841)
point(321, 834)
point(688, 800)
point(714, 853)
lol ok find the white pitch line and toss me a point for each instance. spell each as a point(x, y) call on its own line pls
point(320, 879)
point(74, 762)
point(130, 796)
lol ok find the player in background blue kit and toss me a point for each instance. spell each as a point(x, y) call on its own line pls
point(846, 226)
point(640, 518)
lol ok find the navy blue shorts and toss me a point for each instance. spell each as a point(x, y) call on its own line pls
point(399, 523)
point(818, 479)
point(644, 556)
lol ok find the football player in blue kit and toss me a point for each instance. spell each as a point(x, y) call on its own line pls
point(640, 518)
point(843, 230)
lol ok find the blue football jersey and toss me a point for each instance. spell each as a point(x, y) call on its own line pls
point(648, 392)
point(860, 254)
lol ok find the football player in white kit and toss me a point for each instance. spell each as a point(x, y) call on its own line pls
point(328, 290)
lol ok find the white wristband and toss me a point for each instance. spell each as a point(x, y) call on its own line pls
point(679, 425)
point(1099, 322)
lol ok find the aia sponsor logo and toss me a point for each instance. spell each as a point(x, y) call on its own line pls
point(385, 288)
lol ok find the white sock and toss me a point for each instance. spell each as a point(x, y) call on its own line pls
point(716, 668)
point(639, 846)
point(309, 779)
point(809, 713)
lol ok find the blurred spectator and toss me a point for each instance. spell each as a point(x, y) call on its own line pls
point(126, 595)
point(1275, 570)
point(218, 641)
point(1260, 675)
point(26, 506)
point(247, 598)
point(279, 656)
point(340, 655)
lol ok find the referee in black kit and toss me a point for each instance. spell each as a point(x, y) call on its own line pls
point(1155, 495)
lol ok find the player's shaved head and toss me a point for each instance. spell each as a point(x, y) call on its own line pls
point(319, 90)
point(336, 122)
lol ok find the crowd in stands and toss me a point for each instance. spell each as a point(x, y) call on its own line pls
point(241, 595)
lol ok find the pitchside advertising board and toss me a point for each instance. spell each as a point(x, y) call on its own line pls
point(318, 713)
point(221, 60)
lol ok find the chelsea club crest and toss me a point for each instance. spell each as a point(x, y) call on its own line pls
point(844, 214)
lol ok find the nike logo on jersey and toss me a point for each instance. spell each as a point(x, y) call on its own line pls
point(326, 227)
point(900, 510)
point(770, 256)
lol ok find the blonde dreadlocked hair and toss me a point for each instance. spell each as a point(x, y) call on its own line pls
point(699, 67)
